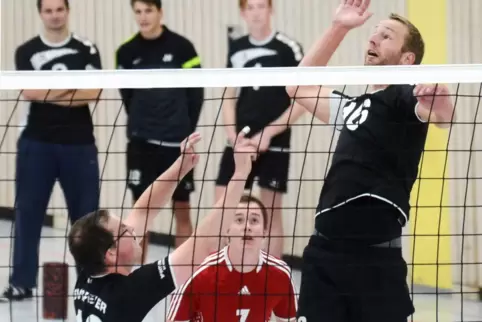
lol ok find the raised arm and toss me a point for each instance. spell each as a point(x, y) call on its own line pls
point(192, 252)
point(229, 113)
point(321, 101)
point(160, 191)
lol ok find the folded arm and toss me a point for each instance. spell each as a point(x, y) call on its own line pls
point(45, 95)
point(288, 118)
point(63, 97)
point(79, 97)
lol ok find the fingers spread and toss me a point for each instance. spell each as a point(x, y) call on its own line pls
point(365, 5)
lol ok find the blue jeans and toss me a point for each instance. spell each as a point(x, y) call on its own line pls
point(39, 165)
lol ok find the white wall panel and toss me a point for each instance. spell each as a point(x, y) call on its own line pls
point(109, 22)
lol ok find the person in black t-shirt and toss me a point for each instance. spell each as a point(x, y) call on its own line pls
point(106, 248)
point(158, 119)
point(57, 141)
point(353, 269)
point(267, 110)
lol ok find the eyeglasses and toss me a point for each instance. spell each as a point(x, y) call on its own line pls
point(125, 231)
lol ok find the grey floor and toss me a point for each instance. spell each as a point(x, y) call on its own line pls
point(430, 307)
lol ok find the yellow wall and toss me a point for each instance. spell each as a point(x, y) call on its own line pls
point(430, 251)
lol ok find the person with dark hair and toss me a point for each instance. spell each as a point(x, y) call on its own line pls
point(267, 110)
point(106, 247)
point(241, 282)
point(40, 3)
point(353, 268)
point(158, 119)
point(56, 143)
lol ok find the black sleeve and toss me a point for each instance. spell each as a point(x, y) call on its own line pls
point(22, 61)
point(122, 62)
point(195, 96)
point(93, 58)
point(295, 54)
point(147, 286)
point(229, 64)
point(407, 102)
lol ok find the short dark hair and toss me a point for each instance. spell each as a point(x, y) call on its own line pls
point(264, 212)
point(89, 240)
point(243, 3)
point(156, 3)
point(39, 5)
point(413, 42)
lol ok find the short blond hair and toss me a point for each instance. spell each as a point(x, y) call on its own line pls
point(413, 42)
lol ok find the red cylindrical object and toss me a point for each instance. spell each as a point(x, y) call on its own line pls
point(55, 290)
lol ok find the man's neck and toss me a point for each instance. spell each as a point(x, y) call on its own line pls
point(56, 36)
point(243, 260)
point(153, 34)
point(375, 88)
point(118, 270)
point(262, 34)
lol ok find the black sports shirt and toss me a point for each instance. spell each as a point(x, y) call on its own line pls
point(166, 114)
point(378, 151)
point(120, 298)
point(50, 122)
point(257, 107)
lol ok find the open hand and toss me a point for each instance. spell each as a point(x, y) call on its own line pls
point(432, 96)
point(189, 156)
point(352, 13)
point(244, 153)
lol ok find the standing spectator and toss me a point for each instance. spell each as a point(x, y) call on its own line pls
point(56, 143)
point(159, 119)
point(266, 110)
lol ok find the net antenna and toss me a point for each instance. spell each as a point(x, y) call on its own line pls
point(241, 77)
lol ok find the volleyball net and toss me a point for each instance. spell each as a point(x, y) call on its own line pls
point(440, 242)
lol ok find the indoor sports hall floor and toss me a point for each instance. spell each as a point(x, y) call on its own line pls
point(53, 248)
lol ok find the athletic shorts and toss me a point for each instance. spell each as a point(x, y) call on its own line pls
point(271, 169)
point(363, 285)
point(146, 162)
point(346, 278)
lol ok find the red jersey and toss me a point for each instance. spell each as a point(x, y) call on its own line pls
point(218, 292)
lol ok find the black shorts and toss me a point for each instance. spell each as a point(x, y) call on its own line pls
point(363, 285)
point(271, 168)
point(146, 162)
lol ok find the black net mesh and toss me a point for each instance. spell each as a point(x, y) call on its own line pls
point(440, 243)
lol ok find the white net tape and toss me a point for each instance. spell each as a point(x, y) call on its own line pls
point(241, 77)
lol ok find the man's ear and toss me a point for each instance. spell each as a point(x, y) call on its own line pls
point(408, 58)
point(110, 256)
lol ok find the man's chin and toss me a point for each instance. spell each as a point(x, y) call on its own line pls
point(57, 27)
point(372, 62)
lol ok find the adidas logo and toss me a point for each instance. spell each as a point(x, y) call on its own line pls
point(244, 291)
